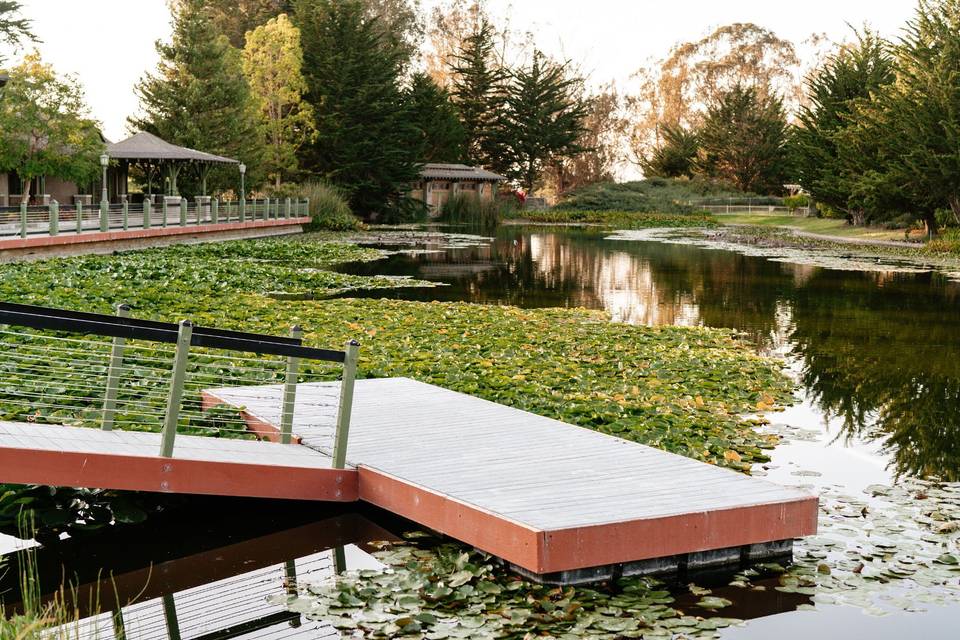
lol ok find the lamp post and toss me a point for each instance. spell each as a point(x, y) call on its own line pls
point(104, 204)
point(243, 171)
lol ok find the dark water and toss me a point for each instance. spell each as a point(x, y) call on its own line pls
point(877, 355)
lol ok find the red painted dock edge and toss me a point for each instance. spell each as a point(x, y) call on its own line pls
point(173, 475)
point(92, 237)
point(593, 546)
point(260, 427)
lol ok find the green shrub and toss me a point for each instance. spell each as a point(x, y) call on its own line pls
point(622, 219)
point(653, 195)
point(468, 208)
point(328, 206)
point(947, 242)
point(799, 201)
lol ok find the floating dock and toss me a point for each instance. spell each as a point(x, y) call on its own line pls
point(560, 503)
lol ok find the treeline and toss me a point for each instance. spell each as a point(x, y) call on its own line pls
point(336, 90)
point(876, 133)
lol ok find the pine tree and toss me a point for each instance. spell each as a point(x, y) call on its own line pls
point(273, 63)
point(827, 165)
point(13, 28)
point(365, 141)
point(544, 119)
point(199, 97)
point(743, 141)
point(675, 156)
point(436, 119)
point(478, 91)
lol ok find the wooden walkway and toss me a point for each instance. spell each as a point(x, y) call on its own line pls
point(127, 460)
point(550, 498)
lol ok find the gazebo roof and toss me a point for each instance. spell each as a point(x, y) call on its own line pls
point(444, 171)
point(146, 146)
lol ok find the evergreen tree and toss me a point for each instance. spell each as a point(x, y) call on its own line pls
point(437, 122)
point(199, 98)
point(273, 63)
point(478, 90)
point(916, 121)
point(827, 164)
point(675, 156)
point(743, 141)
point(544, 119)
point(13, 28)
point(365, 141)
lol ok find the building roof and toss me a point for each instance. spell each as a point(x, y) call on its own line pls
point(146, 146)
point(442, 171)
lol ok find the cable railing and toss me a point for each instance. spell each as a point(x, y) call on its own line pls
point(118, 372)
point(55, 219)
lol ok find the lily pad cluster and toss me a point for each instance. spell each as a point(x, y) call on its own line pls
point(439, 591)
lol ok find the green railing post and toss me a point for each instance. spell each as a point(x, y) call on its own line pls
point(287, 208)
point(54, 217)
point(339, 559)
point(147, 213)
point(345, 409)
point(177, 377)
point(104, 216)
point(126, 215)
point(290, 392)
point(164, 210)
point(214, 210)
point(79, 217)
point(113, 374)
point(170, 617)
point(183, 212)
point(23, 218)
point(243, 211)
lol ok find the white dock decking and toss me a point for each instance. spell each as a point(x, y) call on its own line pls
point(544, 495)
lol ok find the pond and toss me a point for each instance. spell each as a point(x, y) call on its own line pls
point(876, 355)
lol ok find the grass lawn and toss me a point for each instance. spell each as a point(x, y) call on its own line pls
point(823, 226)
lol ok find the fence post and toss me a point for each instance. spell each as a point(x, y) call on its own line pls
point(214, 210)
point(79, 217)
point(164, 211)
point(342, 433)
point(243, 211)
point(183, 212)
point(287, 208)
point(113, 374)
point(147, 213)
point(23, 218)
point(177, 377)
point(54, 217)
point(290, 391)
point(126, 214)
point(104, 216)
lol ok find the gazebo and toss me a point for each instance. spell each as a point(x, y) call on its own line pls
point(158, 158)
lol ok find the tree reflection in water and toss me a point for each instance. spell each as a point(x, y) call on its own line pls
point(879, 350)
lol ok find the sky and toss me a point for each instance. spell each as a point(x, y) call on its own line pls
point(109, 44)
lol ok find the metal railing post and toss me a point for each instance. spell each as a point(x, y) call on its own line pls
point(183, 212)
point(79, 217)
point(164, 208)
point(146, 213)
point(54, 217)
point(290, 392)
point(126, 215)
point(287, 208)
point(23, 218)
point(113, 374)
point(345, 409)
point(243, 211)
point(177, 377)
point(214, 210)
point(104, 216)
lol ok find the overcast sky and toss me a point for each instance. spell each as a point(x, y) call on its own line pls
point(110, 43)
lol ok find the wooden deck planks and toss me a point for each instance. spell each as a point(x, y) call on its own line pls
point(543, 494)
point(125, 460)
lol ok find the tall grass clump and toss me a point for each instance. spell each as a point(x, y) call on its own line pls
point(328, 206)
point(468, 208)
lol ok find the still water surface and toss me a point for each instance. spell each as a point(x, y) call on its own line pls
point(876, 355)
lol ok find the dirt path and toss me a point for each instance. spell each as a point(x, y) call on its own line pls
point(860, 241)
